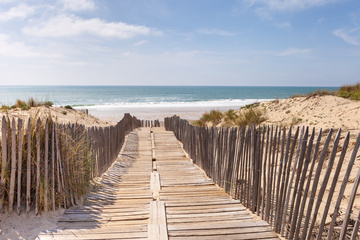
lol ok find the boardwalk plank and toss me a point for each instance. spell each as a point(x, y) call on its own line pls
point(176, 200)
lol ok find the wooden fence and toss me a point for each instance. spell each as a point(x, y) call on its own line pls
point(286, 178)
point(150, 123)
point(45, 165)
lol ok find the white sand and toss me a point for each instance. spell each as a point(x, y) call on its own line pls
point(27, 226)
point(153, 113)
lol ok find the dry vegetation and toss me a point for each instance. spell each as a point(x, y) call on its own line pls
point(26, 105)
point(350, 91)
point(322, 108)
point(45, 109)
point(245, 116)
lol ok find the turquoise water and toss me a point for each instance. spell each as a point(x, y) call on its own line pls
point(105, 96)
point(149, 102)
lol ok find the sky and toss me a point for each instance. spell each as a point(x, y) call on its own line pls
point(187, 42)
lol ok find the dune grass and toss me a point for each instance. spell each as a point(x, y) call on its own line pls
point(74, 155)
point(213, 117)
point(26, 105)
point(351, 91)
point(318, 92)
point(246, 116)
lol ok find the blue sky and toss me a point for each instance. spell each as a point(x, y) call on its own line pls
point(187, 42)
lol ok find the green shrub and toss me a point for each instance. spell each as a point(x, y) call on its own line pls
point(48, 103)
point(68, 107)
point(350, 91)
point(64, 112)
point(350, 87)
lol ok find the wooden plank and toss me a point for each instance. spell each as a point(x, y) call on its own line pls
point(157, 228)
point(190, 202)
point(155, 185)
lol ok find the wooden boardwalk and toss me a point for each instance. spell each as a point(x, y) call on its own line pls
point(153, 191)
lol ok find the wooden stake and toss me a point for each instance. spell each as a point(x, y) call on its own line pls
point(13, 166)
point(3, 161)
point(20, 147)
point(53, 165)
point(37, 193)
point(46, 162)
point(28, 167)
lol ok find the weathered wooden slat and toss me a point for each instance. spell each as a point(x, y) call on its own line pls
point(20, 162)
point(13, 165)
point(46, 167)
point(333, 184)
point(53, 166)
point(28, 166)
point(314, 185)
point(342, 188)
point(323, 187)
point(301, 177)
point(350, 205)
point(3, 160)
point(306, 191)
point(37, 193)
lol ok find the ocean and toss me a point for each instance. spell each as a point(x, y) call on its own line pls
point(150, 102)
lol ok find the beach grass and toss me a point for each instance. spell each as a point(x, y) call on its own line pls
point(246, 116)
point(318, 92)
point(213, 117)
point(351, 91)
point(26, 105)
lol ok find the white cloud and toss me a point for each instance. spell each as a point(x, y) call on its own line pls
point(78, 5)
point(140, 43)
point(215, 32)
point(351, 36)
point(263, 13)
point(21, 11)
point(76, 64)
point(284, 25)
point(295, 52)
point(5, 1)
point(66, 26)
point(290, 4)
point(14, 49)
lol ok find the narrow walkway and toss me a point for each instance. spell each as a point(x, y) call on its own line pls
point(153, 191)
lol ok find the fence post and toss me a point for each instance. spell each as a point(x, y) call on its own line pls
point(20, 148)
